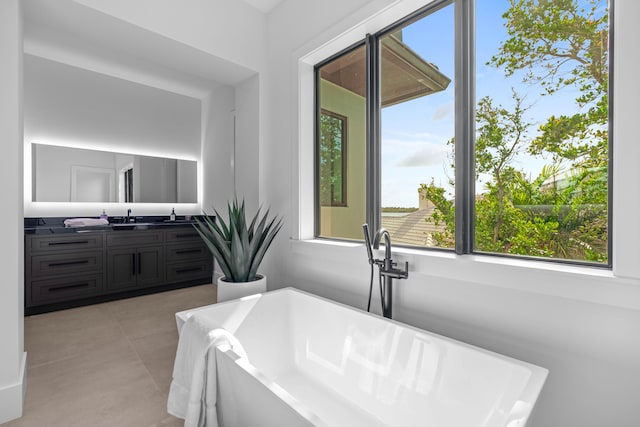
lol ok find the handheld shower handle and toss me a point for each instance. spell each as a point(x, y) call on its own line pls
point(367, 242)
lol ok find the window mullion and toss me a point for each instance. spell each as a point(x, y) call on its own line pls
point(373, 202)
point(464, 124)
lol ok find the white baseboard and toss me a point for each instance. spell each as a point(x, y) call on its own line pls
point(12, 395)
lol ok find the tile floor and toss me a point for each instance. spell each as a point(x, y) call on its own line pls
point(105, 365)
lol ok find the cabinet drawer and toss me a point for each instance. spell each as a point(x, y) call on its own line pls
point(183, 234)
point(66, 243)
point(134, 238)
point(186, 252)
point(65, 288)
point(189, 271)
point(67, 263)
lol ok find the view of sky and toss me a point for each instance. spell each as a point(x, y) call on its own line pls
point(415, 133)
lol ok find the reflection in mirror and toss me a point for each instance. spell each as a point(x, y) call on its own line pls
point(64, 174)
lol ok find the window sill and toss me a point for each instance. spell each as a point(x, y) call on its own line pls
point(582, 283)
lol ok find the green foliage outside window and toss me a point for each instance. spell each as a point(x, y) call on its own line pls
point(563, 212)
point(332, 157)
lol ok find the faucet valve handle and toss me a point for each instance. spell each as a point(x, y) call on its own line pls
point(402, 274)
point(405, 272)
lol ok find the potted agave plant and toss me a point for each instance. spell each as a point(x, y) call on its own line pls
point(239, 247)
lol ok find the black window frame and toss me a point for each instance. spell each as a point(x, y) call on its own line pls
point(464, 134)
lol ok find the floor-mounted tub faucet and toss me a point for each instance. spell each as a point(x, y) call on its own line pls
point(387, 272)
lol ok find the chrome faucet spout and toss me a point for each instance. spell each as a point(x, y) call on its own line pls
point(387, 242)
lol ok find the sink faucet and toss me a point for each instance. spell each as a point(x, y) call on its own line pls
point(386, 266)
point(128, 219)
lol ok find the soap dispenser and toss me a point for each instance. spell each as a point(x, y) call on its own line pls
point(172, 217)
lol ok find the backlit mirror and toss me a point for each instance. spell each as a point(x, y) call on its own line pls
point(64, 174)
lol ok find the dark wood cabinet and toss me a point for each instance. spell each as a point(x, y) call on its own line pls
point(150, 266)
point(73, 269)
point(187, 256)
point(63, 268)
point(64, 243)
point(135, 259)
point(121, 269)
point(129, 268)
point(53, 264)
point(61, 289)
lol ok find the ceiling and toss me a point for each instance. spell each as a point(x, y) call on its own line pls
point(264, 6)
point(69, 32)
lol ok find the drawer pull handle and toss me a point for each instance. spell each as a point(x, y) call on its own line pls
point(64, 288)
point(70, 242)
point(65, 263)
point(179, 236)
point(189, 251)
point(187, 270)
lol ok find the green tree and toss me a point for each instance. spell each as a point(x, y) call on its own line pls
point(444, 215)
point(331, 160)
point(499, 137)
point(551, 45)
point(559, 44)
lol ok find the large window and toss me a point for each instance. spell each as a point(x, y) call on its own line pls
point(488, 135)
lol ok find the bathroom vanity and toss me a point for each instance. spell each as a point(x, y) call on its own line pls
point(69, 267)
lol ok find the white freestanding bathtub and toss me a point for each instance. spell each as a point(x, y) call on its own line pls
point(314, 362)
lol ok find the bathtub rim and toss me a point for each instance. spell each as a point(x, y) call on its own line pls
point(529, 395)
point(272, 386)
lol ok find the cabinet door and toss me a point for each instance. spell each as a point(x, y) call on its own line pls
point(121, 268)
point(150, 266)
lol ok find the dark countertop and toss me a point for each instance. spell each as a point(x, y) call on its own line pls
point(48, 226)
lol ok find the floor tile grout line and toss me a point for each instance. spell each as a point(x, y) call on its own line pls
point(130, 343)
point(66, 357)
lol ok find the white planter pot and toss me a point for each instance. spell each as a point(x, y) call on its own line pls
point(230, 290)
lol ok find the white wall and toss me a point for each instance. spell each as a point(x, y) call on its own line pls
point(580, 323)
point(228, 29)
point(73, 105)
point(231, 144)
point(247, 142)
point(217, 148)
point(12, 356)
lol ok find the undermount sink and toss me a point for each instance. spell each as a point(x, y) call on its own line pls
point(131, 226)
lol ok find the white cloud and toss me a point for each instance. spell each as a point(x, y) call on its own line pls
point(428, 155)
point(442, 112)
